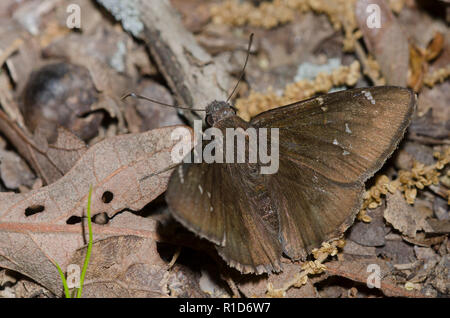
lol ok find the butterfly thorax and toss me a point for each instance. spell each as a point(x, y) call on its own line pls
point(217, 111)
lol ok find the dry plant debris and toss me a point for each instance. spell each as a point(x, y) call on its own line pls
point(408, 182)
point(44, 225)
point(257, 102)
point(271, 14)
point(308, 268)
point(437, 76)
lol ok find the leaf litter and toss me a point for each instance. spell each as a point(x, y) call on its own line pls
point(403, 224)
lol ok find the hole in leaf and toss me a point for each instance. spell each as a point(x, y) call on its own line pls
point(74, 219)
point(34, 209)
point(100, 218)
point(107, 196)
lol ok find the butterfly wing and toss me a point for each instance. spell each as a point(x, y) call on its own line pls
point(346, 135)
point(328, 146)
point(220, 203)
point(312, 208)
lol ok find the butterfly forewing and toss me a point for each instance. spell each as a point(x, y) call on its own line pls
point(345, 136)
point(192, 193)
point(227, 204)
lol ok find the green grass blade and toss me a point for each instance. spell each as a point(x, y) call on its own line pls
point(63, 278)
point(89, 249)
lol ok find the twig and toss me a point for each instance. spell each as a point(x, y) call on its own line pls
point(192, 74)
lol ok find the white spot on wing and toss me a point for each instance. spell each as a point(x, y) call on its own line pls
point(209, 194)
point(347, 129)
point(335, 142)
point(345, 153)
point(180, 174)
point(200, 189)
point(369, 97)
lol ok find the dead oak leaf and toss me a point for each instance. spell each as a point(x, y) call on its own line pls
point(34, 229)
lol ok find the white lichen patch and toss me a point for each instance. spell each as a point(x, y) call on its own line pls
point(126, 12)
point(345, 153)
point(335, 142)
point(200, 189)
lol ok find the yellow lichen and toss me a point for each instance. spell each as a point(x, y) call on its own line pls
point(419, 177)
point(308, 268)
point(374, 71)
point(362, 216)
point(437, 76)
point(257, 102)
point(396, 5)
point(270, 14)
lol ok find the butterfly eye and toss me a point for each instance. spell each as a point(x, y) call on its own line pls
point(209, 120)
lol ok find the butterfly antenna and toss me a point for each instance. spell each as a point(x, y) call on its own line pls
point(158, 102)
point(243, 69)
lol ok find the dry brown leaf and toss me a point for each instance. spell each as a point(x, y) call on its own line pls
point(403, 216)
point(372, 233)
point(419, 59)
point(257, 286)
point(419, 67)
point(126, 172)
point(439, 226)
point(130, 266)
point(388, 43)
point(49, 161)
point(356, 269)
point(14, 172)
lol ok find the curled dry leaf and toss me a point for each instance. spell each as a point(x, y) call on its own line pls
point(50, 160)
point(126, 172)
point(404, 217)
point(419, 59)
point(387, 43)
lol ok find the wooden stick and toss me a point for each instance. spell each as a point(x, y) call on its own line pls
point(192, 74)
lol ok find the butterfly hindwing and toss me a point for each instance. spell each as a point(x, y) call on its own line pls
point(328, 147)
point(312, 208)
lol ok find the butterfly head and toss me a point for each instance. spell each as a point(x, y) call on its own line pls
point(216, 111)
